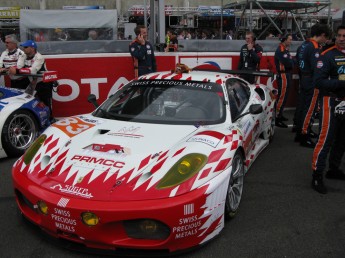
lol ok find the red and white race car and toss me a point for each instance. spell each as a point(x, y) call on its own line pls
point(158, 166)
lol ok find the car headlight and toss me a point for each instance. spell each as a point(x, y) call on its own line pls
point(33, 149)
point(42, 206)
point(90, 218)
point(182, 170)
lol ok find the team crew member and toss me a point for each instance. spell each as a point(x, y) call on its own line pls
point(284, 65)
point(308, 55)
point(33, 62)
point(9, 58)
point(250, 57)
point(329, 77)
point(142, 53)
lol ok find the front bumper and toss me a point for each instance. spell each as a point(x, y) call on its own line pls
point(185, 215)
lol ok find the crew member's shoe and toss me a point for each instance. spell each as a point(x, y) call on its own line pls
point(280, 123)
point(317, 184)
point(283, 118)
point(335, 174)
point(305, 141)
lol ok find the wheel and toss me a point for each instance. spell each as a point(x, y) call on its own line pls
point(19, 132)
point(235, 188)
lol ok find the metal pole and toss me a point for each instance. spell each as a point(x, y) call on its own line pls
point(251, 16)
point(275, 25)
point(269, 25)
point(152, 27)
point(145, 13)
point(221, 20)
point(161, 22)
point(299, 29)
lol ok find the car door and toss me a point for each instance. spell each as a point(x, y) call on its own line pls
point(239, 95)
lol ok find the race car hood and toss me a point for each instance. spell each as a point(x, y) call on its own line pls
point(110, 160)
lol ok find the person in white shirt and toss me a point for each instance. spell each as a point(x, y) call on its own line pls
point(9, 58)
point(32, 62)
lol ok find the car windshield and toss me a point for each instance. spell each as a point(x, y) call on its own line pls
point(167, 102)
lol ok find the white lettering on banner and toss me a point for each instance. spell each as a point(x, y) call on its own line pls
point(51, 76)
point(120, 82)
point(94, 84)
point(94, 87)
point(74, 93)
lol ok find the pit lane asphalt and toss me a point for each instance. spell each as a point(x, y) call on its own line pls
point(280, 215)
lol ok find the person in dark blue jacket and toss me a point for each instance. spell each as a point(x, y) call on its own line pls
point(250, 57)
point(307, 56)
point(329, 78)
point(284, 65)
point(142, 52)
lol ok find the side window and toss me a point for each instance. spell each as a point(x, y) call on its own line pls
point(239, 94)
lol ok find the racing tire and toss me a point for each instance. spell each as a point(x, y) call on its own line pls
point(19, 132)
point(235, 187)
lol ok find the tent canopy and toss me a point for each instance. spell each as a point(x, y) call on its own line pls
point(66, 19)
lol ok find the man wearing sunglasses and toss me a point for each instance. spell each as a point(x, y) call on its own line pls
point(9, 58)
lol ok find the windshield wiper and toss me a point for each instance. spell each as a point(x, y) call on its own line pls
point(107, 113)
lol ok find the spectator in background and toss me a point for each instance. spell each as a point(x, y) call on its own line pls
point(270, 36)
point(9, 59)
point(142, 52)
point(204, 35)
point(60, 35)
point(93, 35)
point(229, 35)
point(171, 41)
point(188, 35)
point(250, 56)
point(181, 35)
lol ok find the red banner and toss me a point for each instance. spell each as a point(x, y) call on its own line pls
point(102, 76)
point(82, 75)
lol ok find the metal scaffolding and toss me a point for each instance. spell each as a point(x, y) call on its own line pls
point(274, 10)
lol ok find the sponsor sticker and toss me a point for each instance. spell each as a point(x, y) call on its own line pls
point(188, 209)
point(62, 219)
point(98, 160)
point(73, 125)
point(188, 226)
point(63, 202)
point(73, 190)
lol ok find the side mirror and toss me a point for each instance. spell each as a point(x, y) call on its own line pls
point(92, 99)
point(254, 109)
